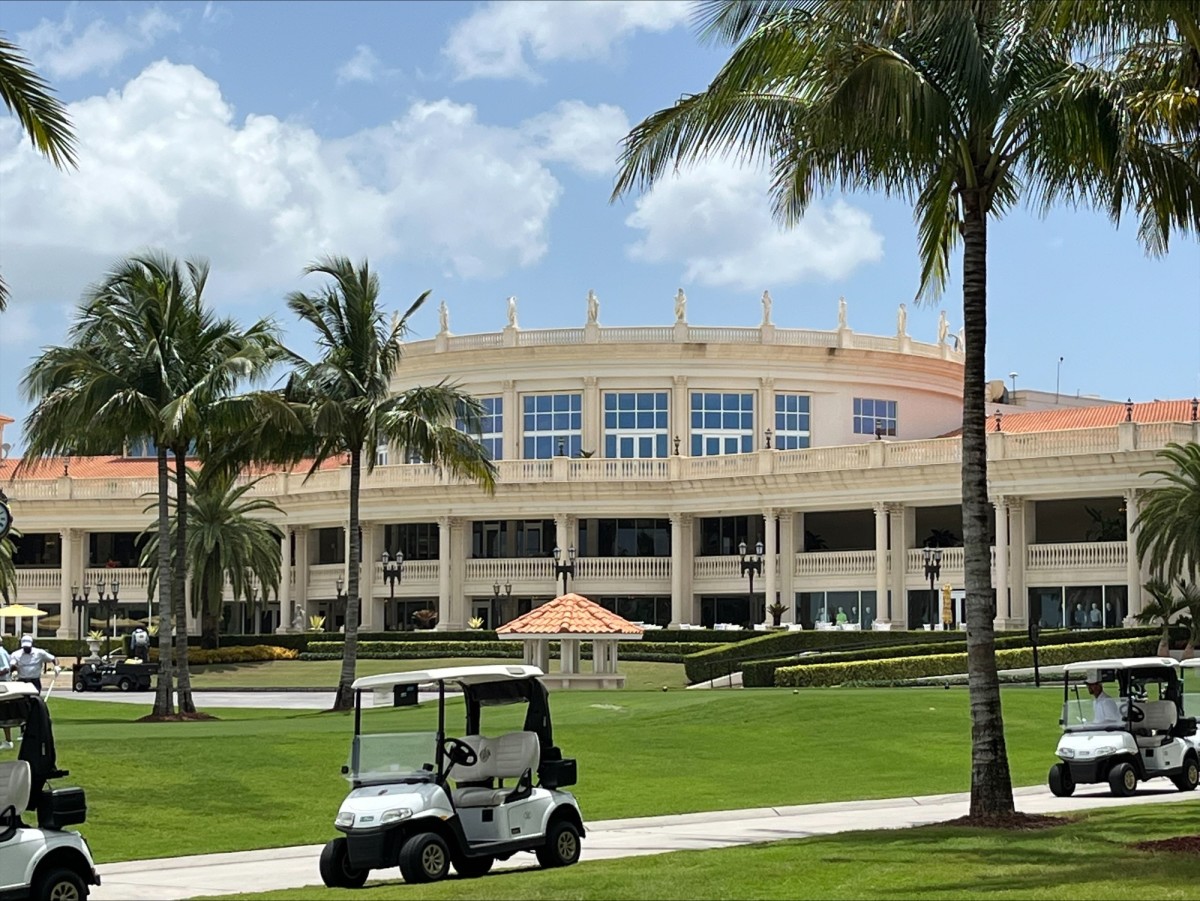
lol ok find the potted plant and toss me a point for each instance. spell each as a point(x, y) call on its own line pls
point(475, 622)
point(425, 619)
point(316, 624)
point(776, 610)
point(94, 637)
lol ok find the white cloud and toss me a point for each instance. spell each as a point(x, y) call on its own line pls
point(585, 137)
point(715, 219)
point(69, 49)
point(364, 65)
point(492, 42)
point(163, 162)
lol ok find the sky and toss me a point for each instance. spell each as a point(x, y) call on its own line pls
point(469, 149)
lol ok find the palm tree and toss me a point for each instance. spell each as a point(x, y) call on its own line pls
point(1163, 606)
point(43, 118)
point(350, 406)
point(228, 541)
point(148, 361)
point(1189, 594)
point(8, 571)
point(1168, 524)
point(960, 108)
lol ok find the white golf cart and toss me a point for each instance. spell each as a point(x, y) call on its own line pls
point(403, 810)
point(1146, 735)
point(46, 863)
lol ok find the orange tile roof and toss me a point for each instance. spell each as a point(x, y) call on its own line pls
point(571, 614)
point(121, 468)
point(1088, 417)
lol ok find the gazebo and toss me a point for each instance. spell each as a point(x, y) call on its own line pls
point(572, 619)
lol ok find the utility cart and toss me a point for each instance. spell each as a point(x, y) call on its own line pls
point(125, 675)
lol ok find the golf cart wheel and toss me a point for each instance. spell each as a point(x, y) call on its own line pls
point(1190, 777)
point(1062, 784)
point(473, 867)
point(59, 884)
point(562, 845)
point(336, 871)
point(1122, 779)
point(125, 684)
point(78, 685)
point(424, 858)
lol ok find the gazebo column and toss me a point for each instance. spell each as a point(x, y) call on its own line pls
point(568, 655)
point(537, 653)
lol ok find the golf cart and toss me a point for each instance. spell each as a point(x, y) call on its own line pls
point(1147, 735)
point(125, 674)
point(46, 862)
point(403, 808)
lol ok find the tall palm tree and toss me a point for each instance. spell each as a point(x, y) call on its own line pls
point(350, 406)
point(1164, 605)
point(228, 541)
point(1168, 525)
point(149, 361)
point(42, 116)
point(960, 108)
point(8, 570)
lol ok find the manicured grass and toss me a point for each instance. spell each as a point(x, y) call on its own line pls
point(260, 778)
point(1090, 858)
point(324, 673)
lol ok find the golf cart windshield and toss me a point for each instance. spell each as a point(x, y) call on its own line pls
point(392, 757)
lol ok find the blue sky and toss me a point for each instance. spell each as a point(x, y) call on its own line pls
point(469, 148)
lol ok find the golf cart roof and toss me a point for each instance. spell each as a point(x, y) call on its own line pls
point(464, 675)
point(11, 691)
point(1122, 663)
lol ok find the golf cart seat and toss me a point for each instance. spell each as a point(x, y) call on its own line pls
point(16, 782)
point(513, 755)
point(1155, 727)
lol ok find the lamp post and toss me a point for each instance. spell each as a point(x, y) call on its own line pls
point(108, 607)
point(564, 565)
point(933, 568)
point(496, 594)
point(393, 571)
point(750, 566)
point(79, 604)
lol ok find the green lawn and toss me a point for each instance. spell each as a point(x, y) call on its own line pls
point(1089, 858)
point(150, 785)
point(324, 673)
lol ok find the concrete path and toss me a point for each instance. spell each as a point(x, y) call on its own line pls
point(296, 867)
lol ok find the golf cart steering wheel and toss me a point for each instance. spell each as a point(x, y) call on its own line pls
point(459, 752)
point(1136, 713)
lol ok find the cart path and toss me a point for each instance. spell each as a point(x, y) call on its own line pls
point(296, 867)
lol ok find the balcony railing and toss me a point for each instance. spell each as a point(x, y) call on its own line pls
point(835, 563)
point(1078, 555)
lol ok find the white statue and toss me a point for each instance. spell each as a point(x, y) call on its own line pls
point(443, 319)
point(298, 620)
point(512, 312)
point(943, 328)
point(680, 306)
point(766, 304)
point(593, 308)
point(962, 340)
point(842, 313)
point(902, 320)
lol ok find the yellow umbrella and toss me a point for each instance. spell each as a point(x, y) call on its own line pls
point(18, 612)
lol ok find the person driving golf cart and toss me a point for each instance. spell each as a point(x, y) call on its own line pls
point(1104, 708)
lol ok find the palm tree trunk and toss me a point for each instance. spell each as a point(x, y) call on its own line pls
point(210, 631)
point(164, 697)
point(344, 700)
point(991, 782)
point(1164, 643)
point(186, 704)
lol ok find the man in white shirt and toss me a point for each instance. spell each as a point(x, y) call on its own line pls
point(5, 669)
point(29, 662)
point(1104, 708)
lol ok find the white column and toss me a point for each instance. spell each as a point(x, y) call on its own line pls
point(787, 565)
point(1019, 617)
point(1133, 570)
point(454, 617)
point(680, 415)
point(444, 538)
point(899, 568)
point(677, 564)
point(285, 581)
point(68, 618)
point(510, 421)
point(766, 411)
point(301, 564)
point(1001, 577)
point(591, 429)
point(370, 618)
point(770, 552)
point(881, 561)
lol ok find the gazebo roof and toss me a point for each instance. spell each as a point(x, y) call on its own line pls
point(571, 615)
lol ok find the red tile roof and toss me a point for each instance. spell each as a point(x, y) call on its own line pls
point(571, 614)
point(1093, 417)
point(121, 468)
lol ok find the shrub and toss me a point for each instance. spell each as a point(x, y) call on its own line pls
point(662, 652)
point(824, 674)
point(251, 654)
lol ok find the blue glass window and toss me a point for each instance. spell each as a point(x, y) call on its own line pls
point(792, 421)
point(721, 424)
point(874, 417)
point(551, 425)
point(636, 424)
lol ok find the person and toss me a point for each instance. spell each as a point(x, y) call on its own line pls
point(139, 644)
point(29, 662)
point(1104, 708)
point(1080, 618)
point(5, 669)
point(842, 619)
point(593, 308)
point(1094, 616)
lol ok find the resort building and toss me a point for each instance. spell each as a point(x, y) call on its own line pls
point(649, 456)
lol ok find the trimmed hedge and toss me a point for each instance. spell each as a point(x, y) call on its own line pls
point(662, 652)
point(761, 673)
point(825, 674)
point(251, 654)
point(59, 647)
